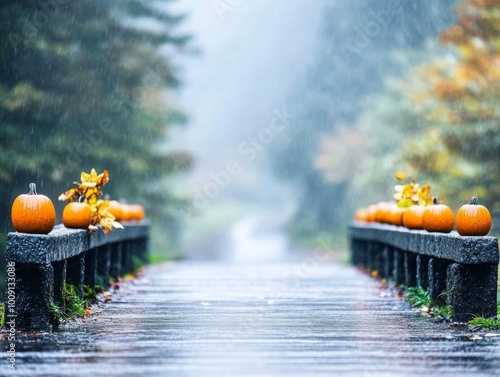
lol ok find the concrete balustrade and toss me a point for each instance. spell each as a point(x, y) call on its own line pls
point(42, 264)
point(462, 271)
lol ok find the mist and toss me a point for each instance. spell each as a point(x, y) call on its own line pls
point(237, 94)
point(271, 87)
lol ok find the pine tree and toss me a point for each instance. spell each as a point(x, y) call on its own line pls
point(84, 86)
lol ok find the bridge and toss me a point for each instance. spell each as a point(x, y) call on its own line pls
point(290, 314)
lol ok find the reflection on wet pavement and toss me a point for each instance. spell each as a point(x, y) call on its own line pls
point(264, 315)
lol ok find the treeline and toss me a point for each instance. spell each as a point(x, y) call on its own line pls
point(411, 87)
point(86, 84)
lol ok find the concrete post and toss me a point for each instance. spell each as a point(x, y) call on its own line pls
point(472, 291)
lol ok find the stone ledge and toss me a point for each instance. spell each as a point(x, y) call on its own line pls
point(451, 246)
point(63, 243)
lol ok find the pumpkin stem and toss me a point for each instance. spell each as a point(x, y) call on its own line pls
point(474, 200)
point(81, 199)
point(435, 200)
point(32, 189)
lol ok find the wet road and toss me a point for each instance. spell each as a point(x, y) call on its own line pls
point(296, 317)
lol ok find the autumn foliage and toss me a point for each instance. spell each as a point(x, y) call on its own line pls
point(459, 98)
point(90, 189)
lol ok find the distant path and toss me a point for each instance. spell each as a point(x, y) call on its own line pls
point(269, 319)
point(256, 238)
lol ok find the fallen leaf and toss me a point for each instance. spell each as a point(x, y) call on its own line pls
point(473, 337)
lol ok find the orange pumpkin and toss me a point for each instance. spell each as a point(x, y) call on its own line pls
point(372, 209)
point(127, 214)
point(438, 217)
point(412, 217)
point(361, 215)
point(396, 215)
point(380, 210)
point(473, 219)
point(116, 209)
point(77, 215)
point(137, 212)
point(33, 213)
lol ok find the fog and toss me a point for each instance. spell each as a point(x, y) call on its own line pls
point(250, 57)
point(237, 94)
point(244, 154)
point(289, 115)
point(273, 85)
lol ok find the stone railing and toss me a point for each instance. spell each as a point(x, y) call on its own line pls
point(38, 266)
point(463, 270)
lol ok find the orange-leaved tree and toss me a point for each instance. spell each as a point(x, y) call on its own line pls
point(459, 96)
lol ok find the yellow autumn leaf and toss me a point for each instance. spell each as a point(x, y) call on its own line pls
point(103, 206)
point(87, 185)
point(103, 178)
point(425, 190)
point(408, 191)
point(69, 196)
point(411, 193)
point(90, 189)
point(84, 177)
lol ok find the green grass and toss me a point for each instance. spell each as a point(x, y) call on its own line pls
point(137, 262)
point(443, 312)
point(480, 323)
point(2, 313)
point(89, 295)
point(156, 257)
point(56, 313)
point(72, 305)
point(420, 298)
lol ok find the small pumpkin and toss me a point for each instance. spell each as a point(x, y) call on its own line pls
point(396, 215)
point(77, 215)
point(438, 217)
point(473, 219)
point(127, 214)
point(361, 215)
point(372, 209)
point(33, 213)
point(116, 209)
point(412, 217)
point(381, 212)
point(137, 212)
